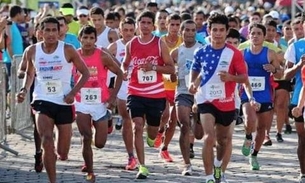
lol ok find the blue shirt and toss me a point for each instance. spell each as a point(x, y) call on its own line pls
point(158, 33)
point(16, 43)
point(72, 39)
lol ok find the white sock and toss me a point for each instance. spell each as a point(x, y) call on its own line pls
point(209, 177)
point(217, 163)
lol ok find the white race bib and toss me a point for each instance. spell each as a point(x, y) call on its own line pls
point(91, 95)
point(215, 91)
point(52, 87)
point(257, 83)
point(147, 77)
point(187, 80)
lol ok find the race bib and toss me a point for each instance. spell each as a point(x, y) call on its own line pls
point(187, 80)
point(91, 95)
point(147, 77)
point(215, 91)
point(52, 87)
point(257, 83)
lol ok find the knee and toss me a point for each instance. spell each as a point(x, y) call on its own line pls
point(185, 127)
point(47, 141)
point(138, 127)
point(209, 139)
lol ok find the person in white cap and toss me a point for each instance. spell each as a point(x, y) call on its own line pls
point(83, 16)
point(229, 10)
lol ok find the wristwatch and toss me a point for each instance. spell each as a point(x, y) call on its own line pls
point(154, 68)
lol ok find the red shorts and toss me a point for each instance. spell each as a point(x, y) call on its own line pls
point(170, 96)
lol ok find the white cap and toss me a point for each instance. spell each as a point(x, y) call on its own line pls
point(251, 8)
point(229, 10)
point(274, 14)
point(82, 12)
point(267, 5)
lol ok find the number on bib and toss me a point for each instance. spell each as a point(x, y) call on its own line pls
point(216, 91)
point(52, 87)
point(91, 95)
point(257, 83)
point(147, 77)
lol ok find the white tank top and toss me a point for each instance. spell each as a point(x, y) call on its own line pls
point(102, 39)
point(120, 50)
point(53, 75)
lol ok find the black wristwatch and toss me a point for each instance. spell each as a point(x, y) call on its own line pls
point(23, 89)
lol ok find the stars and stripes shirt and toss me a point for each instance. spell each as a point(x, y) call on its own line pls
point(209, 62)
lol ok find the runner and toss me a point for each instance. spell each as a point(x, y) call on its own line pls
point(51, 60)
point(146, 95)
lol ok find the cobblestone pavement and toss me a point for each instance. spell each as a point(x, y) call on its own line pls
point(278, 162)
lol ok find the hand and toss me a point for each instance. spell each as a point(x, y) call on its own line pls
point(255, 105)
point(146, 67)
point(301, 63)
point(69, 99)
point(21, 96)
point(296, 112)
point(269, 68)
point(111, 102)
point(21, 74)
point(194, 108)
point(192, 88)
point(125, 75)
point(173, 77)
point(224, 76)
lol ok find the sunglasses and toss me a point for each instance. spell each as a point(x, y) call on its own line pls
point(81, 16)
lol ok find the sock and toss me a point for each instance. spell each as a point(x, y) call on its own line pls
point(164, 148)
point(255, 152)
point(191, 145)
point(217, 163)
point(130, 155)
point(302, 175)
point(209, 177)
point(249, 137)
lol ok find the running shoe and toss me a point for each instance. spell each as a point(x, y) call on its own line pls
point(267, 141)
point(90, 177)
point(217, 173)
point(158, 140)
point(302, 179)
point(279, 137)
point(132, 164)
point(165, 156)
point(246, 148)
point(210, 181)
point(143, 172)
point(223, 178)
point(38, 162)
point(254, 163)
point(192, 153)
point(188, 170)
point(288, 129)
point(150, 142)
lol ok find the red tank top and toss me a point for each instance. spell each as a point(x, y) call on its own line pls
point(95, 90)
point(146, 84)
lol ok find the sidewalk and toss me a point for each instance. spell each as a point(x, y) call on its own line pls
point(278, 163)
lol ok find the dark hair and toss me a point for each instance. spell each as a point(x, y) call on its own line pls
point(120, 9)
point(59, 18)
point(256, 13)
point(218, 18)
point(128, 20)
point(189, 21)
point(233, 33)
point(15, 10)
point(97, 11)
point(233, 19)
point(147, 14)
point(110, 16)
point(271, 23)
point(173, 17)
point(186, 16)
point(87, 29)
point(152, 4)
point(37, 26)
point(200, 12)
point(131, 15)
point(67, 5)
point(163, 11)
point(117, 15)
point(286, 23)
point(49, 20)
point(259, 26)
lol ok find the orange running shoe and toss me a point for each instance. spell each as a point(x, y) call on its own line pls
point(165, 156)
point(90, 177)
point(158, 140)
point(132, 164)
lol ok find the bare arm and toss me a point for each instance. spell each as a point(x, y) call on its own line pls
point(126, 61)
point(80, 66)
point(291, 70)
point(112, 48)
point(174, 56)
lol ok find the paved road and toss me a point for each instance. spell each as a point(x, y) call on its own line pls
point(278, 162)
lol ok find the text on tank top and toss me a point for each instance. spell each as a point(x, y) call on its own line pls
point(149, 83)
point(95, 90)
point(53, 74)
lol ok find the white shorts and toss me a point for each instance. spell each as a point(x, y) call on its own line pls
point(122, 94)
point(96, 111)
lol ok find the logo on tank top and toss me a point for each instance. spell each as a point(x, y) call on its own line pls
point(149, 59)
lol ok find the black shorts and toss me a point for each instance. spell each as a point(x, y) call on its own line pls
point(151, 108)
point(283, 84)
point(111, 83)
point(264, 106)
point(224, 118)
point(61, 114)
point(298, 119)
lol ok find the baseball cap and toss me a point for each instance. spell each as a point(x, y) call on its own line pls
point(274, 14)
